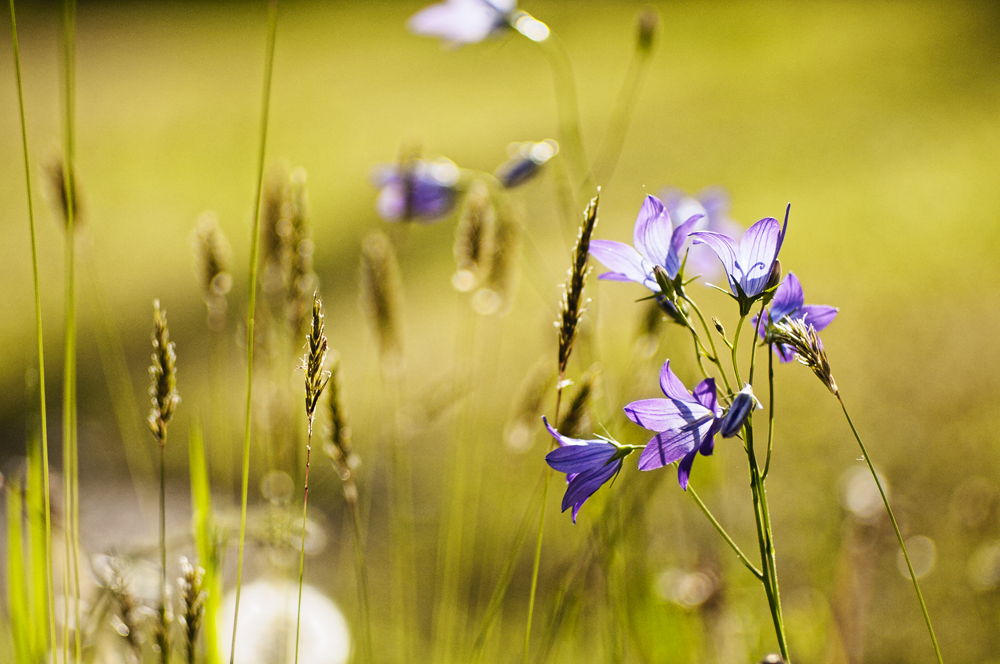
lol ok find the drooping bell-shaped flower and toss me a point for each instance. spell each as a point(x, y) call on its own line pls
point(587, 463)
point(416, 190)
point(460, 22)
point(686, 421)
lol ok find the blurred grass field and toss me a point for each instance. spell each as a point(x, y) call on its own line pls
point(879, 122)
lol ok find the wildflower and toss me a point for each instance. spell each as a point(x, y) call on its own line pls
point(656, 242)
point(738, 412)
point(587, 463)
point(460, 22)
point(748, 265)
point(526, 159)
point(417, 190)
point(687, 422)
point(789, 304)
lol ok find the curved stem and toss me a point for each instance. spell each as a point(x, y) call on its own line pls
point(272, 26)
point(715, 353)
point(569, 115)
point(895, 527)
point(607, 160)
point(722, 531)
point(302, 547)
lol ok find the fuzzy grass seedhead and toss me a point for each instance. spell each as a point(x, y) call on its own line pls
point(127, 607)
point(577, 420)
point(163, 376)
point(339, 448)
point(63, 186)
point(573, 306)
point(801, 337)
point(473, 237)
point(193, 598)
point(648, 25)
point(381, 295)
point(497, 291)
point(213, 254)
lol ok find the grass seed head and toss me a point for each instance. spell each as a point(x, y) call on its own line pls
point(163, 376)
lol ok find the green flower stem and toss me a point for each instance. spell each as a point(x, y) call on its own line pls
point(895, 527)
point(50, 611)
point(736, 346)
point(272, 26)
point(722, 531)
point(770, 410)
point(764, 537)
point(714, 357)
point(302, 547)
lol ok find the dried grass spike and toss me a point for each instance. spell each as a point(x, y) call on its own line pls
point(213, 253)
point(802, 338)
point(316, 348)
point(496, 295)
point(572, 307)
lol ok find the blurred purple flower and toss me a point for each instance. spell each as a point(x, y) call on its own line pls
point(587, 463)
point(416, 190)
point(460, 22)
point(687, 423)
point(748, 264)
point(526, 159)
point(789, 303)
point(713, 203)
point(656, 242)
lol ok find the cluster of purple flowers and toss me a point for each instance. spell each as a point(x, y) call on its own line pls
point(686, 422)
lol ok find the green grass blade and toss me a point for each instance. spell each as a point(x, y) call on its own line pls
point(20, 618)
point(39, 595)
point(206, 538)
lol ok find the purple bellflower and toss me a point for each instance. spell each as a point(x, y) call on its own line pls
point(656, 242)
point(789, 304)
point(460, 22)
point(587, 463)
point(749, 264)
point(686, 421)
point(713, 202)
point(416, 190)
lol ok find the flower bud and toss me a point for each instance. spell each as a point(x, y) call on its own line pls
point(526, 159)
point(648, 23)
point(738, 413)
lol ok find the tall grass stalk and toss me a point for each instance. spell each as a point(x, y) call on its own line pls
point(43, 416)
point(70, 454)
point(447, 618)
point(570, 312)
point(272, 27)
point(316, 380)
point(206, 537)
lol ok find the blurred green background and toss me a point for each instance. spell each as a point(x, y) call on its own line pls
point(880, 122)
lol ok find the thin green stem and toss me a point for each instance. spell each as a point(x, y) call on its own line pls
point(50, 611)
point(722, 531)
point(302, 547)
point(536, 564)
point(715, 353)
point(895, 527)
point(569, 116)
point(736, 346)
point(362, 573)
point(69, 369)
point(770, 410)
point(607, 160)
point(272, 27)
point(164, 625)
point(764, 538)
